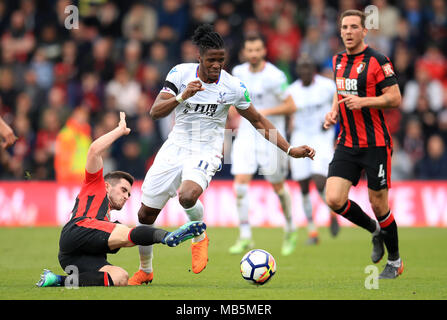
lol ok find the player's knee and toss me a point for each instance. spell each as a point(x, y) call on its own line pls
point(335, 201)
point(147, 216)
point(187, 200)
point(240, 189)
point(120, 277)
point(188, 197)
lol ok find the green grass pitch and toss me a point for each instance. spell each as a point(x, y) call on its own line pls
point(335, 269)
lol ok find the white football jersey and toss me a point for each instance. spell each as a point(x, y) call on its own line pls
point(267, 88)
point(312, 102)
point(200, 120)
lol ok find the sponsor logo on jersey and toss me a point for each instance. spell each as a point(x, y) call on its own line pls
point(387, 70)
point(346, 85)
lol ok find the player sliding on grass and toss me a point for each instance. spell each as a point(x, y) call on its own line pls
point(200, 94)
point(89, 235)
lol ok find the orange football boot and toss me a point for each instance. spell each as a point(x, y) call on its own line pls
point(140, 277)
point(199, 252)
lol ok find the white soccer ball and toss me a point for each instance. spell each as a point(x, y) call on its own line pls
point(258, 266)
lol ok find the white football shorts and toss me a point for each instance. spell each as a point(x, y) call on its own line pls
point(323, 144)
point(172, 166)
point(252, 152)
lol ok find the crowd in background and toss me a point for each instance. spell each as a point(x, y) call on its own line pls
point(61, 88)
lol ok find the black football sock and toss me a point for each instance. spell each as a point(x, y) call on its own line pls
point(95, 278)
point(355, 214)
point(389, 226)
point(144, 235)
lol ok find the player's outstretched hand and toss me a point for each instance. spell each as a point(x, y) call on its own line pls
point(330, 119)
point(302, 152)
point(123, 125)
point(192, 88)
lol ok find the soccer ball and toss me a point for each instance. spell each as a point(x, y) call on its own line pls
point(258, 266)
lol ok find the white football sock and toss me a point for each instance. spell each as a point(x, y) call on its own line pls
point(195, 213)
point(286, 205)
point(242, 205)
point(307, 207)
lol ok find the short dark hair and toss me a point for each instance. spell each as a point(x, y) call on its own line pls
point(112, 176)
point(206, 38)
point(353, 12)
point(254, 37)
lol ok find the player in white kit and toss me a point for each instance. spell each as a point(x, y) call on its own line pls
point(201, 94)
point(267, 85)
point(312, 95)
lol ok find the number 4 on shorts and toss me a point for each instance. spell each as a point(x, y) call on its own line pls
point(381, 171)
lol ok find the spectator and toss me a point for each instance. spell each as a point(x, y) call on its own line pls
point(50, 43)
point(22, 150)
point(140, 23)
point(43, 69)
point(434, 164)
point(99, 61)
point(189, 53)
point(437, 23)
point(403, 65)
point(72, 144)
point(45, 145)
point(132, 60)
point(57, 101)
point(413, 141)
point(158, 57)
point(322, 17)
point(18, 39)
point(388, 18)
point(413, 14)
point(32, 89)
point(125, 91)
point(315, 46)
point(285, 37)
point(174, 14)
point(422, 85)
point(8, 93)
point(401, 164)
point(148, 139)
point(131, 160)
point(109, 20)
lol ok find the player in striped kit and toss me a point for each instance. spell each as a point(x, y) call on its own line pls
point(366, 84)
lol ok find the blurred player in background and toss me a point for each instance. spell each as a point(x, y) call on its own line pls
point(201, 94)
point(366, 84)
point(312, 96)
point(89, 235)
point(251, 151)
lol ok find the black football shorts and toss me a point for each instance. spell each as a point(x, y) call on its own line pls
point(349, 163)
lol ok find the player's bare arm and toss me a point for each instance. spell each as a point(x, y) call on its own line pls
point(286, 108)
point(262, 123)
point(331, 117)
point(390, 98)
point(6, 134)
point(94, 155)
point(166, 102)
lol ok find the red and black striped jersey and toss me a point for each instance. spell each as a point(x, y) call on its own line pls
point(364, 74)
point(92, 201)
